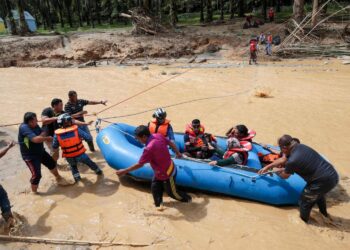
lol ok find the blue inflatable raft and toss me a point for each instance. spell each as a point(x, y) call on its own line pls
point(121, 150)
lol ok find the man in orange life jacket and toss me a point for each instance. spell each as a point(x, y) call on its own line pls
point(235, 154)
point(69, 137)
point(271, 14)
point(253, 48)
point(161, 125)
point(198, 144)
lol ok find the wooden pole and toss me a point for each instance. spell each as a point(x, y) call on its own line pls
point(68, 242)
point(314, 13)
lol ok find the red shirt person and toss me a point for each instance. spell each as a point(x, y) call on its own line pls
point(157, 154)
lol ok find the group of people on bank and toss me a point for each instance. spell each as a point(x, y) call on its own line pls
point(66, 128)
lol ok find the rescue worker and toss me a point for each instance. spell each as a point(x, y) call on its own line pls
point(253, 48)
point(235, 154)
point(241, 132)
point(269, 44)
point(161, 125)
point(198, 144)
point(319, 175)
point(271, 14)
point(156, 153)
point(4, 200)
point(69, 138)
point(75, 108)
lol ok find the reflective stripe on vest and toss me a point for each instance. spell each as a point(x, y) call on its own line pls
point(70, 142)
point(154, 127)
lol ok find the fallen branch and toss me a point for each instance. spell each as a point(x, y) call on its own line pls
point(69, 242)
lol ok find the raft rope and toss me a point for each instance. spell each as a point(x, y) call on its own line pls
point(144, 91)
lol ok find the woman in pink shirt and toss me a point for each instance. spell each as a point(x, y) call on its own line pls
point(156, 153)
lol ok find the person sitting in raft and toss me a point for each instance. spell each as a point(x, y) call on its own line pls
point(241, 132)
point(161, 125)
point(235, 154)
point(69, 137)
point(157, 154)
point(273, 155)
point(198, 144)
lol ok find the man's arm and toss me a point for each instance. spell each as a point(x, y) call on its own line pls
point(104, 102)
point(122, 172)
point(47, 120)
point(80, 123)
point(27, 132)
point(79, 114)
point(170, 133)
point(175, 149)
point(274, 164)
point(7, 148)
point(283, 174)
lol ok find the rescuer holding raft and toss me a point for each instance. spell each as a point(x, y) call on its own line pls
point(157, 154)
point(319, 174)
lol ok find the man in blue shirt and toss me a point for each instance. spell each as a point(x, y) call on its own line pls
point(69, 137)
point(30, 139)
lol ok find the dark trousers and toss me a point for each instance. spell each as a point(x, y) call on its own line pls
point(34, 166)
point(4, 203)
point(158, 187)
point(84, 158)
point(314, 193)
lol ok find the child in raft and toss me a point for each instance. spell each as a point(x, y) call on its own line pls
point(235, 154)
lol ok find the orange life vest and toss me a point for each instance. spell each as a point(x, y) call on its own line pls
point(269, 38)
point(252, 45)
point(249, 137)
point(195, 139)
point(154, 127)
point(70, 142)
point(241, 151)
point(269, 158)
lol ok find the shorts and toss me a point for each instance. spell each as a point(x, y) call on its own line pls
point(34, 166)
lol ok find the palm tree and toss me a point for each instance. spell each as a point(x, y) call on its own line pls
point(68, 5)
point(298, 10)
point(13, 27)
point(232, 9)
point(209, 16)
point(22, 20)
point(202, 11)
point(222, 9)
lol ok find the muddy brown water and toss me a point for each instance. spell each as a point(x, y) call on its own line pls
point(309, 100)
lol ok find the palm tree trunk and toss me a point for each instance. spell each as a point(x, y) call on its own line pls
point(173, 13)
point(221, 9)
point(298, 10)
point(22, 20)
point(98, 9)
point(90, 14)
point(209, 17)
point(50, 23)
point(12, 22)
point(232, 9)
point(263, 10)
point(78, 3)
point(202, 11)
point(314, 13)
point(240, 4)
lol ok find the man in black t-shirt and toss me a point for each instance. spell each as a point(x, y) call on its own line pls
point(75, 108)
point(319, 174)
point(49, 120)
